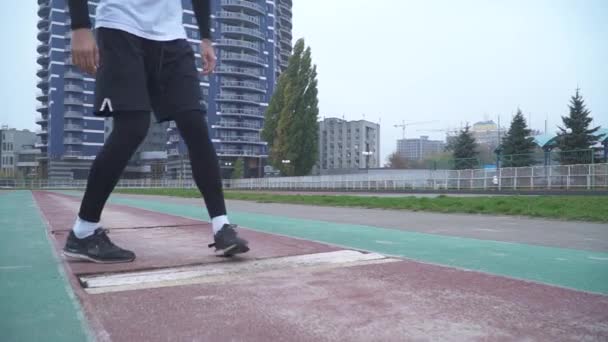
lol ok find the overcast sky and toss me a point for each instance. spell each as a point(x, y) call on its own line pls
point(394, 60)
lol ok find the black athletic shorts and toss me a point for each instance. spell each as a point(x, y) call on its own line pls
point(138, 74)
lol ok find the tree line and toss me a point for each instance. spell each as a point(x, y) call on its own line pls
point(573, 140)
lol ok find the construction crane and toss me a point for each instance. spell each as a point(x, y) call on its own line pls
point(403, 125)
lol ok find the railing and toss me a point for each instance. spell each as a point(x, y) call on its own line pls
point(245, 4)
point(234, 124)
point(239, 84)
point(72, 141)
point(242, 30)
point(239, 98)
point(242, 57)
point(238, 43)
point(563, 177)
point(238, 16)
point(240, 71)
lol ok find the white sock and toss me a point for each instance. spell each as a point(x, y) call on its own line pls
point(83, 229)
point(218, 222)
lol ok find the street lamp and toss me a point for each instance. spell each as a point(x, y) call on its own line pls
point(367, 154)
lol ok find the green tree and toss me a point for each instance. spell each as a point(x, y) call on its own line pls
point(290, 126)
point(396, 161)
point(239, 169)
point(464, 150)
point(518, 145)
point(576, 138)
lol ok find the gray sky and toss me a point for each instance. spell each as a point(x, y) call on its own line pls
point(450, 61)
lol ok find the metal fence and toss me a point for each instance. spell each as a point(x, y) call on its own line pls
point(579, 177)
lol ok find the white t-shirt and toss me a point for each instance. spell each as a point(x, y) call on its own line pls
point(151, 19)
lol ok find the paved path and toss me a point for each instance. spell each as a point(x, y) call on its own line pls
point(296, 284)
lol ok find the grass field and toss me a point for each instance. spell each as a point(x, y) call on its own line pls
point(576, 208)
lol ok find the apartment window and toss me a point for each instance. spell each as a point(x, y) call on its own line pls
point(10, 160)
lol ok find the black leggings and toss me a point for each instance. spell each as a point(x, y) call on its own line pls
point(130, 129)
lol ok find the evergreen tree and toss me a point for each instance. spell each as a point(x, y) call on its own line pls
point(464, 150)
point(518, 145)
point(239, 169)
point(576, 138)
point(290, 126)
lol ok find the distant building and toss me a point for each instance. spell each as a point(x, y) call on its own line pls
point(348, 144)
point(17, 152)
point(487, 133)
point(419, 149)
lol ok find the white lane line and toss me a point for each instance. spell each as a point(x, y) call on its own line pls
point(224, 270)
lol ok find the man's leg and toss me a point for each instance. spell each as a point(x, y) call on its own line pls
point(206, 174)
point(130, 129)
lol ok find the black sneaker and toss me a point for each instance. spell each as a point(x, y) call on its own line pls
point(96, 248)
point(228, 242)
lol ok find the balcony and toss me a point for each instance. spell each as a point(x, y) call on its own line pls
point(41, 132)
point(238, 18)
point(74, 101)
point(173, 152)
point(43, 23)
point(247, 6)
point(72, 114)
point(43, 9)
point(72, 88)
point(72, 141)
point(243, 58)
point(43, 35)
point(40, 145)
point(43, 60)
point(72, 154)
point(238, 30)
point(242, 112)
point(41, 119)
point(237, 125)
point(42, 107)
point(42, 97)
point(68, 61)
point(72, 75)
point(238, 44)
point(42, 48)
point(239, 153)
point(252, 100)
point(173, 138)
point(235, 71)
point(285, 33)
point(72, 128)
point(240, 139)
point(252, 86)
point(42, 72)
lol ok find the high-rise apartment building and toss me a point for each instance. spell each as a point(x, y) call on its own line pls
point(348, 144)
point(253, 42)
point(419, 149)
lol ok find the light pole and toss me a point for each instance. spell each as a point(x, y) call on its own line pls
point(367, 154)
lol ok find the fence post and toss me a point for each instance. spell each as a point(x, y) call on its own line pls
point(568, 179)
point(458, 183)
point(471, 180)
point(485, 179)
point(532, 178)
point(499, 178)
point(515, 179)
